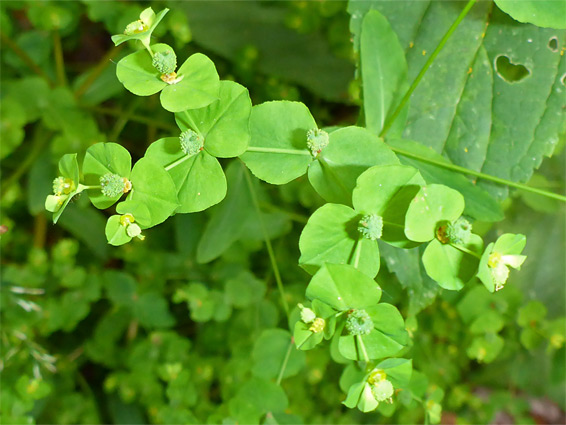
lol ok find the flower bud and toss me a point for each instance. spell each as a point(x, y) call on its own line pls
point(317, 140)
point(371, 226)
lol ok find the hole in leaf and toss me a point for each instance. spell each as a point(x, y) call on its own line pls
point(509, 71)
point(553, 44)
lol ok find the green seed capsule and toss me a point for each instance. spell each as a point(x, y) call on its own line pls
point(191, 142)
point(359, 323)
point(165, 62)
point(383, 390)
point(371, 226)
point(113, 185)
point(317, 140)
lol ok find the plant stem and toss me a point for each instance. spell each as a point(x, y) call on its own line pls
point(95, 73)
point(362, 347)
point(59, 59)
point(277, 150)
point(177, 162)
point(24, 57)
point(466, 250)
point(391, 119)
point(480, 175)
point(270, 252)
point(358, 252)
point(84, 187)
point(285, 361)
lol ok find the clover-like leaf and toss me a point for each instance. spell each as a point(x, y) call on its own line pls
point(195, 85)
point(120, 229)
point(542, 13)
point(224, 124)
point(350, 152)
point(278, 151)
point(331, 235)
point(343, 287)
point(308, 333)
point(432, 205)
point(271, 350)
point(101, 159)
point(65, 187)
point(154, 187)
point(450, 267)
point(387, 191)
point(199, 179)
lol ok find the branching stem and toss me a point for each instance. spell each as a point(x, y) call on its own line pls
point(285, 361)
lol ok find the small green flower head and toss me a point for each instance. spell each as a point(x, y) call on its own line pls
point(113, 185)
point(318, 325)
point(359, 323)
point(382, 390)
point(165, 62)
point(498, 269)
point(63, 186)
point(136, 27)
point(191, 142)
point(458, 232)
point(317, 140)
point(307, 315)
point(127, 219)
point(133, 230)
point(371, 226)
point(53, 203)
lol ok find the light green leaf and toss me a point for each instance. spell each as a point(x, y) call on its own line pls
point(270, 351)
point(542, 13)
point(432, 205)
point(343, 287)
point(100, 159)
point(12, 120)
point(398, 371)
point(510, 244)
point(304, 338)
point(152, 311)
point(384, 70)
point(331, 236)
point(69, 168)
point(199, 179)
point(198, 88)
point(138, 75)
point(255, 398)
point(137, 209)
point(350, 152)
point(386, 339)
point(387, 190)
point(450, 267)
point(150, 19)
point(154, 187)
point(115, 232)
point(224, 124)
point(278, 151)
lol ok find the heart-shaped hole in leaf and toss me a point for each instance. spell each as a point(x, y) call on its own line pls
point(510, 72)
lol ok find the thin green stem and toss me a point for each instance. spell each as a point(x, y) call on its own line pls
point(391, 119)
point(358, 252)
point(483, 176)
point(362, 347)
point(25, 57)
point(85, 187)
point(284, 365)
point(270, 252)
point(59, 59)
point(97, 71)
point(177, 162)
point(277, 150)
point(147, 46)
point(466, 250)
point(393, 224)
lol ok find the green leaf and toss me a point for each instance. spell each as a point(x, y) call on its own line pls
point(510, 244)
point(485, 348)
point(479, 204)
point(198, 88)
point(398, 371)
point(100, 159)
point(542, 13)
point(154, 187)
point(278, 151)
point(433, 205)
point(224, 124)
point(387, 190)
point(244, 289)
point(343, 287)
point(121, 288)
point(531, 313)
point(489, 321)
point(227, 218)
point(255, 398)
point(450, 267)
point(331, 236)
point(350, 152)
point(115, 232)
point(384, 70)
point(199, 179)
point(137, 209)
point(138, 75)
point(12, 120)
point(152, 310)
point(69, 168)
point(386, 339)
point(304, 338)
point(271, 349)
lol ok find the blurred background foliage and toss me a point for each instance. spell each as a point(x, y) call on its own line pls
point(144, 333)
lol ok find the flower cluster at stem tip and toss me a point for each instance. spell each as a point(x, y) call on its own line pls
point(132, 229)
point(381, 388)
point(136, 27)
point(309, 318)
point(63, 186)
point(165, 61)
point(317, 140)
